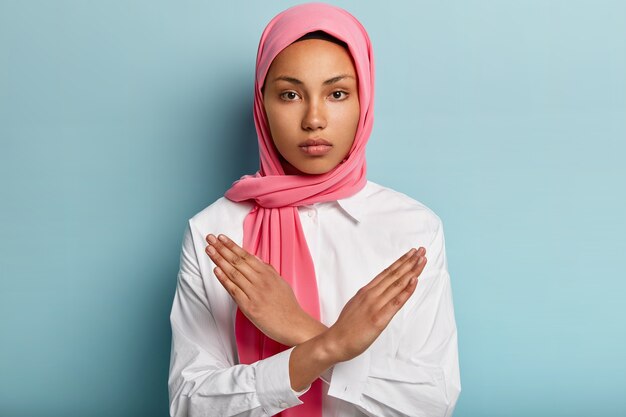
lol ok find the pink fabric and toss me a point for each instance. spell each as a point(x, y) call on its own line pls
point(272, 229)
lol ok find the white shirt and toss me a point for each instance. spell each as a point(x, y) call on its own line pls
point(410, 370)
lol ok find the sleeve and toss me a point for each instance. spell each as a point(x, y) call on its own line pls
point(421, 376)
point(202, 380)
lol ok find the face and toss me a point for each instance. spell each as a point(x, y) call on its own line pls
point(312, 105)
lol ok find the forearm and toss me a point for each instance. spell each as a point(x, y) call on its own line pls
point(360, 322)
point(208, 383)
point(305, 329)
point(380, 386)
point(421, 377)
point(193, 395)
point(309, 360)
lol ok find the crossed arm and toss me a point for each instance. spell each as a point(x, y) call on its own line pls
point(269, 303)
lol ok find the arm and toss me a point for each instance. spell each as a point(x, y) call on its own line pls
point(419, 374)
point(261, 293)
point(203, 378)
point(269, 303)
point(361, 321)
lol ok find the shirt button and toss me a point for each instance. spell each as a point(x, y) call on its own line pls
point(311, 213)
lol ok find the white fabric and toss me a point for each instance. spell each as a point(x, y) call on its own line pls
point(412, 368)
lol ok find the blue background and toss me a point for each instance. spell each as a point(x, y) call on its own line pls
point(119, 120)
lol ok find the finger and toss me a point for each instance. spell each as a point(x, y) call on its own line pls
point(233, 274)
point(237, 294)
point(396, 287)
point(253, 261)
point(399, 262)
point(240, 262)
point(397, 273)
point(394, 305)
point(393, 268)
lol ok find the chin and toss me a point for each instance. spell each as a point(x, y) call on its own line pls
point(316, 172)
point(310, 169)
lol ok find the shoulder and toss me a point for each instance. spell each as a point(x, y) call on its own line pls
point(221, 211)
point(222, 216)
point(385, 202)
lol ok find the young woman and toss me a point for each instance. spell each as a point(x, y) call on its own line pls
point(298, 291)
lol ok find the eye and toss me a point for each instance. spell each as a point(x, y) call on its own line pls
point(289, 95)
point(339, 95)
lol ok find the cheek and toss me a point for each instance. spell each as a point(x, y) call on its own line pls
point(282, 128)
point(356, 114)
point(280, 120)
point(347, 119)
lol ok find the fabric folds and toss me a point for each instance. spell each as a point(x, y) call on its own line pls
point(272, 229)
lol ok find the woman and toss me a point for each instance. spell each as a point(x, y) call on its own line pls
point(298, 291)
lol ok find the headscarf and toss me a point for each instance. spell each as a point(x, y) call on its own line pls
point(272, 229)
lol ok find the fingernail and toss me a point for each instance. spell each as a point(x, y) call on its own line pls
point(421, 261)
point(211, 250)
point(212, 239)
point(222, 238)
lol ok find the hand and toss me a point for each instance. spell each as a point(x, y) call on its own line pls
point(361, 321)
point(368, 313)
point(261, 293)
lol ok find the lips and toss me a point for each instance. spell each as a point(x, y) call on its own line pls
point(315, 142)
point(316, 146)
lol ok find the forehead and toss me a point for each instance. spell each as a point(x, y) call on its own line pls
point(312, 57)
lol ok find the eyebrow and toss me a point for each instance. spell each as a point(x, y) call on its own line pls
point(327, 82)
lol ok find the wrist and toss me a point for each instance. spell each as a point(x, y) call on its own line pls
point(309, 360)
point(307, 328)
point(329, 347)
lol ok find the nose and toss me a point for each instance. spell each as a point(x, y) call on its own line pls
point(314, 116)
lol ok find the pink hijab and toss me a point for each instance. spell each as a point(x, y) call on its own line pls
point(272, 229)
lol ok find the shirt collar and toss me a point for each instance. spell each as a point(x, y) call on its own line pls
point(355, 204)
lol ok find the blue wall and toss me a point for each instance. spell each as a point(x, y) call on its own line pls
point(119, 120)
